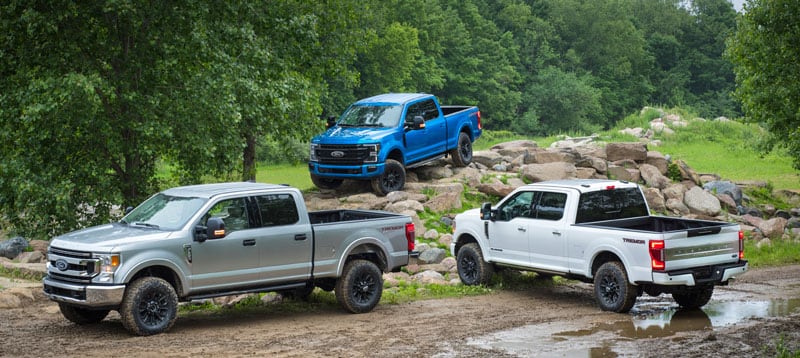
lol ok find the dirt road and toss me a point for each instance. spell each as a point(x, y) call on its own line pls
point(444, 328)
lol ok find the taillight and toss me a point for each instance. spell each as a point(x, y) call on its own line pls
point(480, 126)
point(741, 245)
point(657, 254)
point(410, 236)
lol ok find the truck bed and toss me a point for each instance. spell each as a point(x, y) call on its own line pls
point(662, 224)
point(335, 216)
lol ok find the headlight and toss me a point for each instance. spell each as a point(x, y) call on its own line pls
point(373, 150)
point(106, 266)
point(313, 154)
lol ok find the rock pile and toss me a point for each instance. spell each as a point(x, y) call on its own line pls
point(671, 187)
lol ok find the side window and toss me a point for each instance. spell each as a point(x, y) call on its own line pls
point(518, 206)
point(233, 213)
point(277, 209)
point(550, 206)
point(426, 109)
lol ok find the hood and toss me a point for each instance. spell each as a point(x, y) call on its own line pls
point(104, 238)
point(353, 135)
point(470, 213)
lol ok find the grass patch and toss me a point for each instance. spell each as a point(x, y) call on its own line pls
point(778, 252)
point(21, 274)
point(295, 175)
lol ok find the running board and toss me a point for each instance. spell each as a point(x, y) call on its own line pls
point(426, 161)
point(245, 291)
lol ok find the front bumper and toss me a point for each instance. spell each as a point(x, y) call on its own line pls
point(363, 171)
point(95, 296)
point(719, 274)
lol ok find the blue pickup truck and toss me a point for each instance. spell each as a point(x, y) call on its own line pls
point(378, 137)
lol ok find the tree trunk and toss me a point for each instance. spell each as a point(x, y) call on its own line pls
point(249, 158)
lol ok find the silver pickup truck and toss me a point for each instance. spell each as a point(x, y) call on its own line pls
point(211, 240)
point(601, 232)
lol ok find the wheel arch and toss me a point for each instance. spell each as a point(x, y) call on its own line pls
point(370, 250)
point(161, 271)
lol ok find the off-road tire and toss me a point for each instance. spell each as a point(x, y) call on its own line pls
point(326, 183)
point(150, 306)
point(392, 179)
point(360, 287)
point(81, 316)
point(612, 289)
point(462, 154)
point(695, 298)
point(472, 269)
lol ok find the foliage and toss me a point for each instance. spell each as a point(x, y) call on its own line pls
point(764, 53)
point(778, 252)
point(210, 87)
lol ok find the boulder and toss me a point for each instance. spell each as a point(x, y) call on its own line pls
point(725, 188)
point(655, 200)
point(444, 202)
point(653, 177)
point(429, 277)
point(677, 206)
point(13, 247)
point(432, 255)
point(487, 157)
point(657, 160)
point(549, 171)
point(405, 205)
point(630, 150)
point(702, 202)
point(622, 173)
point(688, 173)
point(598, 164)
point(674, 191)
point(496, 189)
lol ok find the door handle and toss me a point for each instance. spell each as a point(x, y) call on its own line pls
point(522, 229)
point(249, 242)
point(300, 237)
point(556, 233)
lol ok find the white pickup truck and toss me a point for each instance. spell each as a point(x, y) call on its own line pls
point(601, 232)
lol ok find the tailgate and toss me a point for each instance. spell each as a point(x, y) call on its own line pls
point(701, 247)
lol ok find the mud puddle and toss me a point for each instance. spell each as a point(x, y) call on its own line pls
point(652, 317)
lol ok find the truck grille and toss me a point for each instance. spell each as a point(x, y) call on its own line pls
point(71, 266)
point(342, 154)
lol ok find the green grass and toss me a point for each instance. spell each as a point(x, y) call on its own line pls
point(295, 175)
point(779, 252)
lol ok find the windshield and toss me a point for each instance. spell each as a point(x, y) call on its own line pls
point(164, 212)
point(371, 116)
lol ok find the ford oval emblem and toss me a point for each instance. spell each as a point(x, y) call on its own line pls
point(62, 265)
point(337, 154)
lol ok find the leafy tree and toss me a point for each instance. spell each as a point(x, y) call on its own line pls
point(93, 94)
point(764, 51)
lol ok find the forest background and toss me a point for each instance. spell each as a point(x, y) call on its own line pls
point(97, 98)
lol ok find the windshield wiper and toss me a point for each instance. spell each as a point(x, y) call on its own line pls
point(140, 223)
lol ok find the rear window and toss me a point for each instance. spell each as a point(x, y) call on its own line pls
point(611, 204)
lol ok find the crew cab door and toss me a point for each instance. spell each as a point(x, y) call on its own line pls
point(548, 237)
point(428, 141)
point(508, 232)
point(285, 238)
point(228, 261)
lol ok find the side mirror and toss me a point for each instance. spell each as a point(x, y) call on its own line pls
point(128, 210)
point(419, 122)
point(486, 212)
point(200, 233)
point(331, 121)
point(215, 228)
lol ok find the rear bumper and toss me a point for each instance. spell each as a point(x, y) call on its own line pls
point(94, 296)
point(719, 274)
